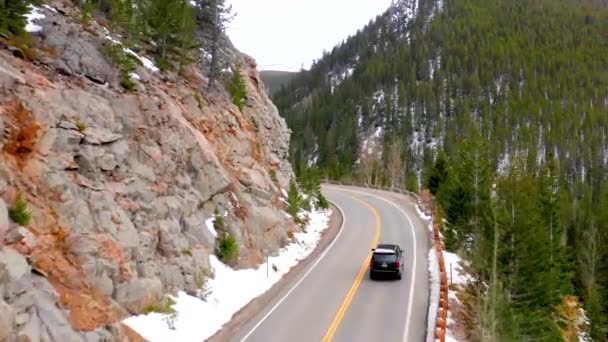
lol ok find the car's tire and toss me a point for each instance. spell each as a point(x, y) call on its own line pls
point(372, 275)
point(399, 276)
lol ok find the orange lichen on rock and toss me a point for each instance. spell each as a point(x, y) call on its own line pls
point(25, 131)
point(110, 250)
point(89, 308)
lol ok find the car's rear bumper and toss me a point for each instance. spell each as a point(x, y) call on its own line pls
point(384, 270)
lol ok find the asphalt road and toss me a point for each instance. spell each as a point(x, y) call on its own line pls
point(334, 299)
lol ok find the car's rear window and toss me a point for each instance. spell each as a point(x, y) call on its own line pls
point(385, 257)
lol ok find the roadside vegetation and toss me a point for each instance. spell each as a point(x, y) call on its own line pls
point(227, 248)
point(304, 194)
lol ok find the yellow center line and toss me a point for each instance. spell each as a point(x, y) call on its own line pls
point(329, 335)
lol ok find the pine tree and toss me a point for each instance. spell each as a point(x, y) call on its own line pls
point(12, 16)
point(219, 17)
point(294, 201)
point(185, 42)
point(172, 26)
point(237, 89)
point(438, 174)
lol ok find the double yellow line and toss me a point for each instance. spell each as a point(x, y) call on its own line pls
point(329, 335)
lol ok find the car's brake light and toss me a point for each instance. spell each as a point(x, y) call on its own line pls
point(397, 264)
point(371, 262)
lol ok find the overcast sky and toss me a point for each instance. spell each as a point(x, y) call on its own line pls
point(283, 34)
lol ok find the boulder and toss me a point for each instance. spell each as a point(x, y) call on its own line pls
point(172, 277)
point(196, 231)
point(79, 52)
point(171, 242)
point(7, 319)
point(138, 294)
point(100, 136)
point(15, 271)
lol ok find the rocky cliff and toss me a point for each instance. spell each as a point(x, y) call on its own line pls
point(120, 184)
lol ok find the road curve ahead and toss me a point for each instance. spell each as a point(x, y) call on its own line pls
point(334, 299)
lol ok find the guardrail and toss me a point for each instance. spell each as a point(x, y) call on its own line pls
point(376, 187)
point(437, 321)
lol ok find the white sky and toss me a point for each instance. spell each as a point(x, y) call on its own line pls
point(283, 34)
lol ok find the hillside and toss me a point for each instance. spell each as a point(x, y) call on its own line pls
point(124, 172)
point(274, 79)
point(500, 109)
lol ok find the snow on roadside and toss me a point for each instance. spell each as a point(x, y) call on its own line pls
point(434, 281)
point(434, 295)
point(34, 14)
point(423, 216)
point(456, 276)
point(197, 320)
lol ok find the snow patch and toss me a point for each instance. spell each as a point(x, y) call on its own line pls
point(206, 54)
point(52, 9)
point(230, 290)
point(145, 61)
point(582, 321)
point(209, 223)
point(34, 15)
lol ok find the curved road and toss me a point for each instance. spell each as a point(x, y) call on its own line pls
point(334, 299)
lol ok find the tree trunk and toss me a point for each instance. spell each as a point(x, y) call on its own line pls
point(214, 48)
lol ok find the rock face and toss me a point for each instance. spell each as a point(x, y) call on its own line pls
point(119, 185)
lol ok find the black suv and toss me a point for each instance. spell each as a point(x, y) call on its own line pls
point(386, 259)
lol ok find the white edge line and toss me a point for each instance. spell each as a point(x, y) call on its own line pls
point(305, 274)
point(412, 282)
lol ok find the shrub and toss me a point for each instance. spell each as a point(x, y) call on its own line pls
point(273, 177)
point(228, 249)
point(187, 251)
point(125, 62)
point(19, 213)
point(86, 12)
point(305, 204)
point(202, 283)
point(290, 234)
point(199, 100)
point(162, 63)
point(165, 307)
point(127, 83)
point(322, 202)
point(81, 126)
point(218, 223)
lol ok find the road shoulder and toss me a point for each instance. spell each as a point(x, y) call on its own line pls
point(245, 315)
